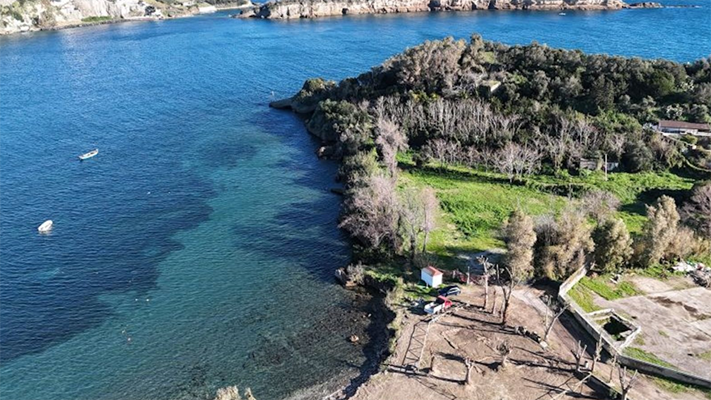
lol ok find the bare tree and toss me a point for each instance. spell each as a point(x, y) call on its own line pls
point(626, 382)
point(411, 218)
point(600, 204)
point(487, 270)
point(578, 355)
point(417, 208)
point(615, 143)
point(558, 145)
point(437, 149)
point(430, 206)
point(597, 355)
point(507, 290)
point(551, 321)
point(389, 140)
point(613, 364)
point(586, 135)
point(515, 160)
point(371, 211)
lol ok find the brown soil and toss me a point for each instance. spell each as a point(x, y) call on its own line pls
point(469, 332)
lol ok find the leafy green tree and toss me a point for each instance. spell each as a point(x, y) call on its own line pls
point(613, 245)
point(697, 211)
point(659, 231)
point(638, 157)
point(519, 236)
point(699, 113)
point(563, 244)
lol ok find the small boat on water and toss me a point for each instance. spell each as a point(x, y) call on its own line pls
point(562, 13)
point(46, 226)
point(88, 155)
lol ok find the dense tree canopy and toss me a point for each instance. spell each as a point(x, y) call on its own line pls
point(518, 110)
point(475, 98)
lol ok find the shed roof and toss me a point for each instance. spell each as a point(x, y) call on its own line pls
point(682, 125)
point(431, 271)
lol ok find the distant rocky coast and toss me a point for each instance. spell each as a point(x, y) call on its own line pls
point(36, 15)
point(290, 9)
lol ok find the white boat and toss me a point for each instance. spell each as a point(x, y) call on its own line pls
point(46, 226)
point(561, 13)
point(89, 154)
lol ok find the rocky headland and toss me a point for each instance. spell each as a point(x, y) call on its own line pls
point(35, 15)
point(290, 9)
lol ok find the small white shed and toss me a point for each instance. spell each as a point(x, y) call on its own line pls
point(432, 276)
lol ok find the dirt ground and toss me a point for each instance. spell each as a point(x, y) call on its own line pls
point(469, 332)
point(676, 324)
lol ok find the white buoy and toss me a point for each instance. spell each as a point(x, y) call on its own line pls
point(46, 226)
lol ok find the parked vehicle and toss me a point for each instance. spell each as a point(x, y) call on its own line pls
point(450, 291)
point(439, 305)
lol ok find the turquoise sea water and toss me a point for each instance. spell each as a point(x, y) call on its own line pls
point(204, 231)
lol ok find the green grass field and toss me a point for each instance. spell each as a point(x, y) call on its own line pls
point(647, 356)
point(605, 289)
point(474, 204)
point(583, 297)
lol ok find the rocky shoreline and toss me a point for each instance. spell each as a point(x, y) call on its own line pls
point(37, 15)
point(292, 9)
point(368, 301)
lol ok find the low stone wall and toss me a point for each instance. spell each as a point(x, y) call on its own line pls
point(593, 329)
point(663, 372)
point(585, 321)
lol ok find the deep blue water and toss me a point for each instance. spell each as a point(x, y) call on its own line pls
point(204, 231)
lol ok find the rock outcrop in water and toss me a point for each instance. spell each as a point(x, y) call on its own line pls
point(321, 8)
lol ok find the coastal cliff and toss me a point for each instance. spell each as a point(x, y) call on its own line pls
point(319, 8)
point(35, 15)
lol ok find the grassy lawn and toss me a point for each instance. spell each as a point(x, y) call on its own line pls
point(676, 387)
point(640, 354)
point(607, 290)
point(666, 384)
point(475, 203)
point(583, 297)
point(473, 209)
point(705, 355)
